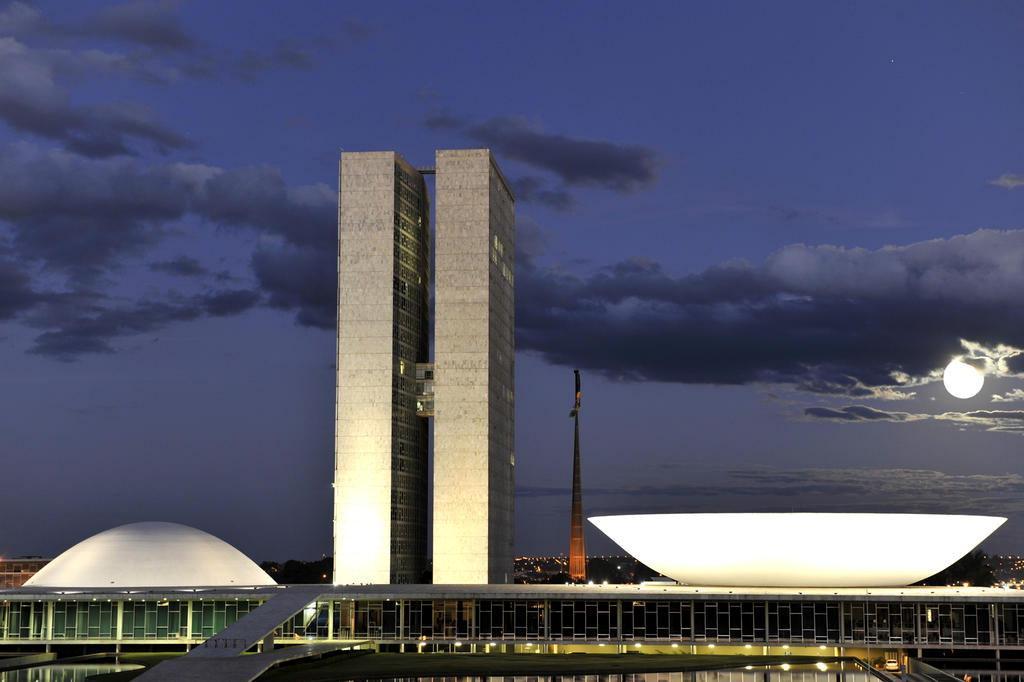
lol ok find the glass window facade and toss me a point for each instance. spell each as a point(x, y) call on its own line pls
point(154, 620)
point(84, 620)
point(211, 616)
point(410, 346)
point(119, 620)
point(907, 623)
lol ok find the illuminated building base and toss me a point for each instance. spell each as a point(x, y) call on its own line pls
point(599, 618)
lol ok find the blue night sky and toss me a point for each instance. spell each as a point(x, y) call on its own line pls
point(760, 230)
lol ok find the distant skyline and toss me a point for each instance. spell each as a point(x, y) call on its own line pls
point(759, 230)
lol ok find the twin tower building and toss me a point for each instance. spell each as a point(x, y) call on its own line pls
point(388, 389)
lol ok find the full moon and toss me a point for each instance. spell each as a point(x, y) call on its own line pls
point(962, 380)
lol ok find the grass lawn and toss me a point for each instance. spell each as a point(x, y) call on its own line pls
point(148, 658)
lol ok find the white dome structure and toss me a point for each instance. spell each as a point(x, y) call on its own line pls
point(151, 554)
point(798, 549)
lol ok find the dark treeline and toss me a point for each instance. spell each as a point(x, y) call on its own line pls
point(295, 572)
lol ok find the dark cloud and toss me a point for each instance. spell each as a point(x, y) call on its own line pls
point(16, 293)
point(1015, 395)
point(182, 266)
point(33, 101)
point(1011, 421)
point(77, 214)
point(1015, 364)
point(576, 161)
point(152, 23)
point(285, 54)
point(17, 18)
point(856, 413)
point(300, 279)
point(830, 319)
point(226, 303)
point(81, 215)
point(991, 420)
point(817, 381)
point(34, 96)
point(288, 53)
point(531, 189)
point(71, 334)
point(258, 196)
point(531, 239)
point(157, 24)
point(1015, 415)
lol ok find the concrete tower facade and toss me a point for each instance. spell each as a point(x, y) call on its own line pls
point(380, 479)
point(387, 388)
point(474, 377)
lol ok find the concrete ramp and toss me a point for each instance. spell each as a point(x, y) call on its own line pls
point(220, 657)
point(254, 627)
point(235, 668)
point(919, 671)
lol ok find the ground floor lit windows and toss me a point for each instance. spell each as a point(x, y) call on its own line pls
point(699, 622)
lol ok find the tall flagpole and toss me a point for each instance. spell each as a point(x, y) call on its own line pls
point(577, 550)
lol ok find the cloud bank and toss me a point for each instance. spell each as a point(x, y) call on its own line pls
point(827, 319)
point(574, 161)
point(65, 214)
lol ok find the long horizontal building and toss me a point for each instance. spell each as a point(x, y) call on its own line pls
point(928, 622)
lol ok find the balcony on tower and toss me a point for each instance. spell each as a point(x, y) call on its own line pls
point(424, 389)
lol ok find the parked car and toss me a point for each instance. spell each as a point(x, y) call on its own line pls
point(891, 665)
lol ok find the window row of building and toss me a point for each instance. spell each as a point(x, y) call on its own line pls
point(804, 622)
point(798, 622)
point(408, 546)
point(110, 620)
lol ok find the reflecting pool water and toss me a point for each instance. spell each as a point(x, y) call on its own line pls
point(754, 675)
point(76, 672)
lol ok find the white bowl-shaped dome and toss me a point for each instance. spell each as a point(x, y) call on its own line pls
point(151, 554)
point(798, 550)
